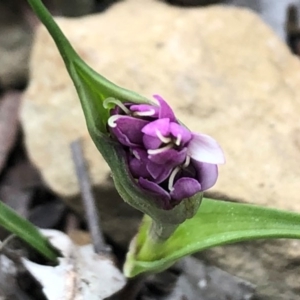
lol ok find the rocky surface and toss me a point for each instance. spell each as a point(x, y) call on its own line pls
point(15, 44)
point(224, 72)
point(196, 281)
point(272, 12)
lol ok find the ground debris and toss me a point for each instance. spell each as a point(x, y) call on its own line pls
point(197, 281)
point(81, 274)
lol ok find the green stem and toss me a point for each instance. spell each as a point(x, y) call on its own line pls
point(158, 234)
point(91, 87)
point(66, 50)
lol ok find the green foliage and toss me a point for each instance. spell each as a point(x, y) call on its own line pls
point(26, 231)
point(216, 223)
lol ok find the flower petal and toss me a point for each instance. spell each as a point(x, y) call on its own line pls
point(181, 134)
point(207, 174)
point(205, 149)
point(159, 172)
point(128, 130)
point(185, 188)
point(161, 125)
point(161, 165)
point(163, 198)
point(138, 163)
point(165, 110)
point(151, 142)
point(170, 156)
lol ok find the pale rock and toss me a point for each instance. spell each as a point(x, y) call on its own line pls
point(224, 72)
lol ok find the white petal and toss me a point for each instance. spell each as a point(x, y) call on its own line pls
point(205, 149)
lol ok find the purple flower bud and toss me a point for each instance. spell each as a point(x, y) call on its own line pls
point(164, 157)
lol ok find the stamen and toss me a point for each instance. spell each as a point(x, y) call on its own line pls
point(160, 150)
point(111, 121)
point(110, 100)
point(164, 139)
point(136, 155)
point(187, 162)
point(172, 177)
point(178, 140)
point(146, 113)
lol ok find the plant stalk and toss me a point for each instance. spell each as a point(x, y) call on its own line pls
point(160, 232)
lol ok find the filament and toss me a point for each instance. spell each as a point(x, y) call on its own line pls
point(146, 113)
point(187, 162)
point(136, 155)
point(178, 140)
point(160, 150)
point(172, 177)
point(112, 120)
point(164, 139)
point(116, 102)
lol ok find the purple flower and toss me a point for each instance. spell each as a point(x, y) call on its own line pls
point(164, 157)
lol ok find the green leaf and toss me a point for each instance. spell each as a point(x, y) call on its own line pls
point(92, 88)
point(216, 223)
point(26, 231)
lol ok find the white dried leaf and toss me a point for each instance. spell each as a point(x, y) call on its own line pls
point(80, 275)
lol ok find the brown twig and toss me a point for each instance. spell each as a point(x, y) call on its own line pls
point(89, 203)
